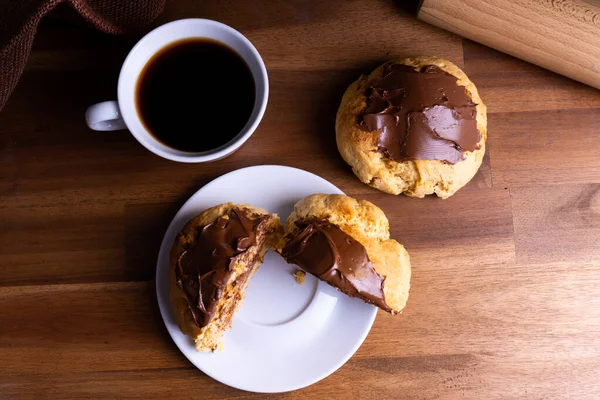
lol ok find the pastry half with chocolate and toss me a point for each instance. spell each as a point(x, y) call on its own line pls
point(415, 126)
point(212, 261)
point(346, 243)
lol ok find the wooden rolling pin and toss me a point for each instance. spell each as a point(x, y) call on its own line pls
point(560, 35)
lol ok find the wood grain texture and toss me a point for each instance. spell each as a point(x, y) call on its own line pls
point(560, 35)
point(513, 85)
point(505, 298)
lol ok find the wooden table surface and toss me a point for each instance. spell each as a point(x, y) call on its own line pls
point(505, 296)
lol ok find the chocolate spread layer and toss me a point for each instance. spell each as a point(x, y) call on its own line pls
point(421, 115)
point(203, 270)
point(324, 250)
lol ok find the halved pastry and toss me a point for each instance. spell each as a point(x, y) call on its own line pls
point(212, 261)
point(346, 243)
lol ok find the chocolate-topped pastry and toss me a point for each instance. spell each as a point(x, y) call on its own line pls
point(415, 126)
point(333, 256)
point(205, 267)
point(212, 261)
point(421, 115)
point(346, 243)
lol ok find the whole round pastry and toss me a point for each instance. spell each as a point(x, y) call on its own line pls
point(346, 242)
point(415, 126)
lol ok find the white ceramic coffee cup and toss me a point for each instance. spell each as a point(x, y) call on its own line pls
point(113, 115)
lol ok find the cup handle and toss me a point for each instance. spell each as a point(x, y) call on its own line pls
point(104, 116)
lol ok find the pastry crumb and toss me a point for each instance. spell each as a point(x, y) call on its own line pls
point(299, 276)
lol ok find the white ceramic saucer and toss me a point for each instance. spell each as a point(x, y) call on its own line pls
point(285, 336)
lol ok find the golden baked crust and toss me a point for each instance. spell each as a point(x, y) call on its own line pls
point(246, 264)
point(413, 178)
point(368, 225)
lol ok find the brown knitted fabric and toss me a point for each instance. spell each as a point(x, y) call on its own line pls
point(19, 20)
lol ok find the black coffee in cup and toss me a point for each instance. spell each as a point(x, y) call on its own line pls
point(195, 95)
